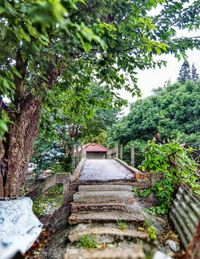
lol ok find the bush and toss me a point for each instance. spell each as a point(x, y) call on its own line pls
point(179, 169)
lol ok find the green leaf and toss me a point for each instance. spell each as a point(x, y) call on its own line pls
point(87, 46)
point(16, 72)
point(3, 125)
point(21, 34)
point(2, 10)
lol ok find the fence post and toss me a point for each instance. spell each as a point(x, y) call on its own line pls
point(133, 156)
point(121, 151)
point(117, 150)
point(73, 159)
point(81, 152)
point(77, 155)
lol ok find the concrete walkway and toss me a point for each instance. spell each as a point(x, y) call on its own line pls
point(104, 170)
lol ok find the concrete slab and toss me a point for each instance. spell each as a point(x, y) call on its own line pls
point(104, 187)
point(104, 170)
point(78, 207)
point(102, 197)
point(105, 230)
point(111, 216)
point(123, 252)
point(115, 182)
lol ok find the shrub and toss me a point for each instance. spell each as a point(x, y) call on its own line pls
point(179, 169)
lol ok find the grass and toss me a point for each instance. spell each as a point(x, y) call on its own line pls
point(52, 198)
point(87, 241)
point(122, 225)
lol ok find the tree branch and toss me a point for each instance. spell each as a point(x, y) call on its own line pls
point(21, 66)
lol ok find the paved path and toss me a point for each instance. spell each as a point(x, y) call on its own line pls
point(104, 170)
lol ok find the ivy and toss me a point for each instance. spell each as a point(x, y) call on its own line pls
point(174, 161)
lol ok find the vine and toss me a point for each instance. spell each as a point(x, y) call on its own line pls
point(178, 168)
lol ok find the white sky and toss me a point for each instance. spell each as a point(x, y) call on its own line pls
point(154, 78)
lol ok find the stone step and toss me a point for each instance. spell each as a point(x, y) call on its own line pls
point(103, 197)
point(104, 187)
point(83, 207)
point(122, 252)
point(110, 216)
point(130, 206)
point(106, 233)
point(115, 182)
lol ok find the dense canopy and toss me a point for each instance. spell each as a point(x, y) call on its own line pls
point(69, 44)
point(172, 112)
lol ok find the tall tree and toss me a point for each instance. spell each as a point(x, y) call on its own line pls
point(77, 116)
point(184, 73)
point(173, 112)
point(195, 75)
point(46, 43)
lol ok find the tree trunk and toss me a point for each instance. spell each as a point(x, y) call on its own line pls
point(15, 152)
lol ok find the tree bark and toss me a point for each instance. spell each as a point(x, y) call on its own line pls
point(16, 150)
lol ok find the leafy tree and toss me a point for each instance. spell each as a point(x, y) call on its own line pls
point(184, 73)
point(67, 123)
point(195, 75)
point(46, 44)
point(173, 113)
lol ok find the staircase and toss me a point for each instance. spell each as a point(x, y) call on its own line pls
point(111, 215)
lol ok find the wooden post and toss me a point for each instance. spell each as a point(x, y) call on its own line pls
point(133, 156)
point(117, 151)
point(121, 151)
point(73, 159)
point(81, 152)
point(77, 156)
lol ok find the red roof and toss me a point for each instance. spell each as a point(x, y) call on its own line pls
point(92, 147)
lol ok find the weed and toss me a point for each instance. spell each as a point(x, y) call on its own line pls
point(87, 241)
point(141, 193)
point(152, 232)
point(122, 225)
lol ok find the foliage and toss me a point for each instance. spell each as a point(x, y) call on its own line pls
point(152, 232)
point(194, 74)
point(61, 129)
point(173, 112)
point(4, 120)
point(80, 43)
point(178, 168)
point(141, 193)
point(139, 146)
point(122, 225)
point(184, 74)
point(87, 241)
point(48, 155)
point(49, 201)
point(66, 46)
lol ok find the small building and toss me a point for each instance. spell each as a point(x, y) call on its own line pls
point(94, 151)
